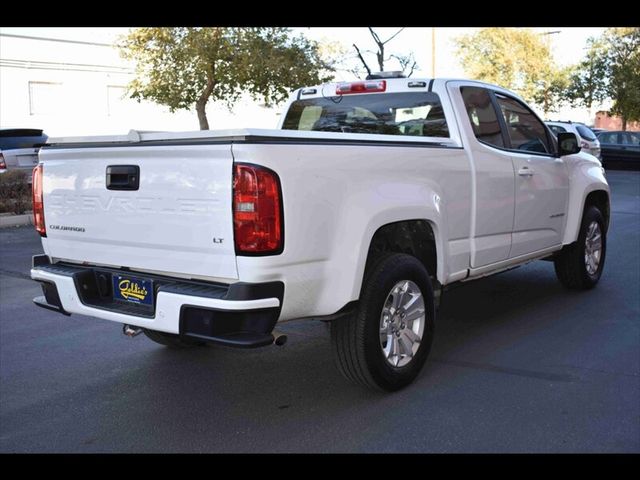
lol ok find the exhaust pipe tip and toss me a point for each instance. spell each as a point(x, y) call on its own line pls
point(280, 339)
point(131, 331)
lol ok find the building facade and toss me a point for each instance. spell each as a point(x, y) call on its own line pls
point(72, 81)
point(608, 122)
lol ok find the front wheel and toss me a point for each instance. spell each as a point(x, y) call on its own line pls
point(386, 342)
point(579, 265)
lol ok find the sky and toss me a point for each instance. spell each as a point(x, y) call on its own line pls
point(567, 45)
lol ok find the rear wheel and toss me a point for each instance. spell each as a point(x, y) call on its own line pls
point(386, 342)
point(171, 340)
point(579, 265)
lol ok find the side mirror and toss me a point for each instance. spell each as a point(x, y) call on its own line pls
point(568, 144)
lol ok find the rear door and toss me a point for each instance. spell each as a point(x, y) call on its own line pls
point(165, 209)
point(541, 179)
point(610, 145)
point(630, 145)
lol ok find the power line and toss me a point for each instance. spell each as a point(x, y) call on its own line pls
point(63, 66)
point(61, 40)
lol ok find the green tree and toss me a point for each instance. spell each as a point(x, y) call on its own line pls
point(610, 69)
point(624, 67)
point(588, 80)
point(551, 89)
point(185, 67)
point(517, 59)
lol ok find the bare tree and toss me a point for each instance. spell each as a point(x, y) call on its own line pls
point(381, 44)
point(407, 62)
point(362, 59)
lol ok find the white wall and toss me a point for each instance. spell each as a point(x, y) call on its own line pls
point(75, 88)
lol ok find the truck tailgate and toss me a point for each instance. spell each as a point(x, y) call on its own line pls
point(178, 220)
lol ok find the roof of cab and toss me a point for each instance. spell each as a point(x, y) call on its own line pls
point(393, 85)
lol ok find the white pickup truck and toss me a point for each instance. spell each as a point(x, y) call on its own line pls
point(369, 199)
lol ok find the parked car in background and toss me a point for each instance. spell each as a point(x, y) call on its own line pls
point(620, 147)
point(588, 139)
point(19, 149)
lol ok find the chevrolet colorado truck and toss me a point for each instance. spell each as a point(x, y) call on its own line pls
point(368, 200)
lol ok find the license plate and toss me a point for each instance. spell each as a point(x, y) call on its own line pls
point(133, 289)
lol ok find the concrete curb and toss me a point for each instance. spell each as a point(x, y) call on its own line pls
point(16, 220)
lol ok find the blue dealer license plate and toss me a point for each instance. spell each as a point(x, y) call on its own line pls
point(133, 290)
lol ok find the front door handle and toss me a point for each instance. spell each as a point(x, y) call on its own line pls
point(526, 172)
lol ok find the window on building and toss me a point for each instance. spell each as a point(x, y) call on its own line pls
point(45, 98)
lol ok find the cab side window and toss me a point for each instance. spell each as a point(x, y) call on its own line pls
point(608, 138)
point(482, 116)
point(630, 139)
point(525, 131)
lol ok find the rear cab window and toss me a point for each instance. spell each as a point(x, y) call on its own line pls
point(412, 114)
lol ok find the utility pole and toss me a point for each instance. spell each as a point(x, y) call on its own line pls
point(549, 37)
point(433, 52)
point(548, 42)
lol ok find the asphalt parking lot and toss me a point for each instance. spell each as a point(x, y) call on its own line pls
point(519, 365)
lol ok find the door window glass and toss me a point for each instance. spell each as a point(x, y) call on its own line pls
point(525, 130)
point(482, 115)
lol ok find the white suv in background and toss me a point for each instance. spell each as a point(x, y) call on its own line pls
point(588, 140)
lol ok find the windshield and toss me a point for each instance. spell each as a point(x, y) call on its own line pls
point(556, 129)
point(586, 133)
point(415, 114)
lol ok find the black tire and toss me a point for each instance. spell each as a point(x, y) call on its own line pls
point(171, 340)
point(570, 264)
point(355, 339)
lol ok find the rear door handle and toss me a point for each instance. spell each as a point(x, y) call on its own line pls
point(123, 177)
point(526, 172)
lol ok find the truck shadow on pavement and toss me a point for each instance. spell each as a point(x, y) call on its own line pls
point(275, 387)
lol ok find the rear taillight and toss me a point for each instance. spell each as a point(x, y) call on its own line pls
point(38, 205)
point(257, 210)
point(3, 164)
